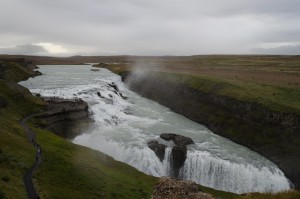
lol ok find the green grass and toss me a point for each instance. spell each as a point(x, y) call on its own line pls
point(71, 171)
point(276, 98)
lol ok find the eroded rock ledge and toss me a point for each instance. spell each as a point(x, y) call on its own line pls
point(65, 116)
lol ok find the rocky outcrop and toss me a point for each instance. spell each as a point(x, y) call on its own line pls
point(168, 188)
point(178, 157)
point(179, 151)
point(64, 117)
point(177, 139)
point(159, 149)
point(273, 134)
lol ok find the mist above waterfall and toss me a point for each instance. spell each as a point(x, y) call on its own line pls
point(122, 128)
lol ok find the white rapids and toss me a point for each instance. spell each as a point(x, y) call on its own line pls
point(122, 129)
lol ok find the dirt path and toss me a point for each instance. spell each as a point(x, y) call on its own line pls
point(31, 192)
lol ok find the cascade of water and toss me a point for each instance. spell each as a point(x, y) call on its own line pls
point(210, 171)
point(122, 129)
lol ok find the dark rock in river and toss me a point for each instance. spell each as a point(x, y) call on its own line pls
point(178, 157)
point(124, 97)
point(179, 140)
point(159, 149)
point(114, 86)
point(178, 154)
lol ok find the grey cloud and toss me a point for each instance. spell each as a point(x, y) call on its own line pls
point(174, 27)
point(27, 49)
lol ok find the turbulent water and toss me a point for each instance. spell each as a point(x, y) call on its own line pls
point(122, 128)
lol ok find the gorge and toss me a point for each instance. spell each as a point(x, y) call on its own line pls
point(125, 122)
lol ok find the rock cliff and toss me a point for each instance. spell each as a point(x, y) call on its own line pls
point(64, 117)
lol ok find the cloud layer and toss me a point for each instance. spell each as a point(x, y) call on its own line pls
point(150, 27)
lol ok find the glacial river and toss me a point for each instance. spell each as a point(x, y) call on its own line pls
point(122, 128)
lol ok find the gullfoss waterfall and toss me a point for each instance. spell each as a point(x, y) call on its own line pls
point(125, 122)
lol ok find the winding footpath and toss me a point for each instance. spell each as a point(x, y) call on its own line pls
point(31, 192)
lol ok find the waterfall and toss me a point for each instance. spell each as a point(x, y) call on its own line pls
point(221, 174)
point(123, 127)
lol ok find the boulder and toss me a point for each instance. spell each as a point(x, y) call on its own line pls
point(178, 157)
point(159, 149)
point(179, 140)
point(178, 153)
point(168, 188)
point(182, 140)
point(167, 136)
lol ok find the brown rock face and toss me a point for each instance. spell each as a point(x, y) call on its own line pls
point(168, 188)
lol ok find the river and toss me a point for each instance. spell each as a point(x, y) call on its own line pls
point(122, 128)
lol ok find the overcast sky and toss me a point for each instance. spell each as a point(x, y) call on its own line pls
point(149, 27)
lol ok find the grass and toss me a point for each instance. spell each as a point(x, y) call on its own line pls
point(276, 98)
point(72, 171)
